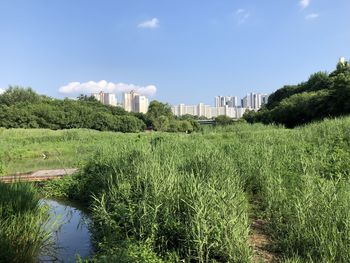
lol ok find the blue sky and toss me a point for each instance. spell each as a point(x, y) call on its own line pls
point(183, 51)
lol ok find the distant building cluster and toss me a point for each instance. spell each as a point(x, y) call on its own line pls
point(202, 110)
point(135, 102)
point(132, 101)
point(105, 98)
point(230, 106)
point(222, 101)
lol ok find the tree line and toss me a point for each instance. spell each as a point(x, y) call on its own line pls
point(322, 95)
point(24, 108)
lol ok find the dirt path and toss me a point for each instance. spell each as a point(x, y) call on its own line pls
point(41, 175)
point(261, 243)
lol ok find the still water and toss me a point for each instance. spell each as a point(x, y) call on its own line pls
point(71, 237)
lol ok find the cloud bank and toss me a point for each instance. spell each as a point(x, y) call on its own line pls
point(2, 91)
point(153, 23)
point(110, 87)
point(304, 3)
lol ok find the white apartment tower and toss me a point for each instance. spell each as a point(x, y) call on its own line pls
point(140, 104)
point(222, 101)
point(254, 100)
point(135, 102)
point(127, 102)
point(105, 98)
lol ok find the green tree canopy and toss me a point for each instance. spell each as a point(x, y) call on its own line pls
point(223, 120)
point(322, 95)
point(15, 94)
point(157, 109)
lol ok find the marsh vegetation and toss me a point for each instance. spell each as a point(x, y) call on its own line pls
point(162, 197)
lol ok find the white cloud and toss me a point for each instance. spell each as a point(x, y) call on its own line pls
point(240, 11)
point(94, 87)
point(2, 91)
point(311, 16)
point(153, 23)
point(242, 15)
point(304, 3)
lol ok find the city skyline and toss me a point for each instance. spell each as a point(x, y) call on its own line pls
point(230, 106)
point(251, 100)
point(178, 52)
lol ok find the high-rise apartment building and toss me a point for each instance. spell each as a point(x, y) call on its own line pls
point(141, 104)
point(127, 101)
point(135, 102)
point(222, 101)
point(105, 98)
point(217, 101)
point(254, 101)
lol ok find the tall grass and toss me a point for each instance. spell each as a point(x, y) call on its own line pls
point(188, 208)
point(22, 224)
point(174, 197)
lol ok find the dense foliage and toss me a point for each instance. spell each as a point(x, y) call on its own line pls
point(223, 120)
point(23, 108)
point(323, 95)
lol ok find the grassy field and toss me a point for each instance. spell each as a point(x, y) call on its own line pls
point(161, 197)
point(25, 150)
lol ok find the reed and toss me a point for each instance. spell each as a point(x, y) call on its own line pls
point(23, 224)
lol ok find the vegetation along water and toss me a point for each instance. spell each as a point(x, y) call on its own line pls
point(158, 197)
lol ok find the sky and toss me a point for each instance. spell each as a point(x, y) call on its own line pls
point(183, 51)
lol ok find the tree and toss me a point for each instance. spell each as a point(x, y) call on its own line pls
point(161, 123)
point(223, 120)
point(14, 95)
point(251, 116)
point(186, 126)
point(157, 109)
point(340, 95)
point(174, 126)
point(159, 115)
point(323, 95)
point(280, 94)
point(83, 97)
point(23, 108)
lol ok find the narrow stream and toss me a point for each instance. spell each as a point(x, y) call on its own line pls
point(72, 236)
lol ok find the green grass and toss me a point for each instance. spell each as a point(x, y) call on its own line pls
point(162, 197)
point(23, 150)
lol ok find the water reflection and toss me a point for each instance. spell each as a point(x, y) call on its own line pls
point(72, 236)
